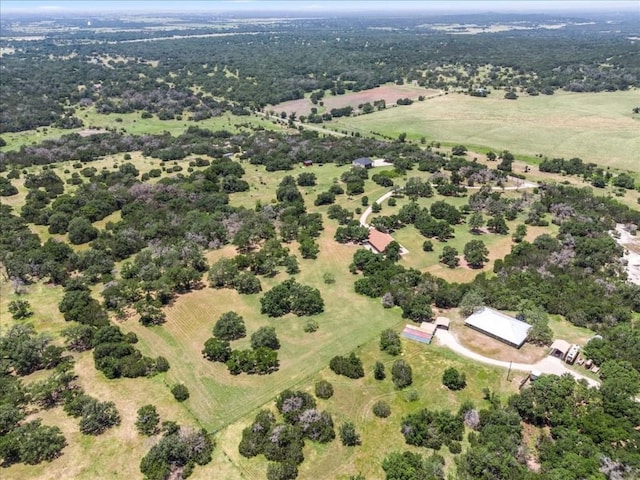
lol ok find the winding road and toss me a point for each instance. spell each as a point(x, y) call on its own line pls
point(549, 364)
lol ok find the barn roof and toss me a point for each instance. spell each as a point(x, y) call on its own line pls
point(379, 240)
point(498, 325)
point(364, 161)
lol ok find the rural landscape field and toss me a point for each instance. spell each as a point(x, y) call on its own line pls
point(251, 240)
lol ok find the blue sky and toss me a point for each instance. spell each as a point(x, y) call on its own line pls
point(319, 6)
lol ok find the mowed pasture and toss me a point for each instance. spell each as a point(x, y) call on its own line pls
point(353, 401)
point(389, 93)
point(219, 398)
point(597, 127)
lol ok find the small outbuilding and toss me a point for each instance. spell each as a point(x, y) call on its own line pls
point(307, 163)
point(559, 348)
point(363, 162)
point(497, 325)
point(443, 323)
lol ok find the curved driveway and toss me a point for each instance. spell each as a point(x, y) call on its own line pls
point(550, 365)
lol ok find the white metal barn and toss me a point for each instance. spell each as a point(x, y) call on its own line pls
point(497, 325)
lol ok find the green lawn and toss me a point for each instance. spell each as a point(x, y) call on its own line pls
point(597, 127)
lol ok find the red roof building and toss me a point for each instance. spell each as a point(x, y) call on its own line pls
point(378, 240)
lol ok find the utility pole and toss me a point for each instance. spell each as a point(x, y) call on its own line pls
point(509, 371)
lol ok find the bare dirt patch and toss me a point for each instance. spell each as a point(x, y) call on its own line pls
point(87, 132)
point(388, 93)
point(632, 253)
point(489, 347)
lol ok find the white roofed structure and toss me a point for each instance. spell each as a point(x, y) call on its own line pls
point(497, 325)
point(560, 348)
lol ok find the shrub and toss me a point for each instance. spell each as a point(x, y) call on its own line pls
point(311, 326)
point(324, 389)
point(378, 371)
point(453, 379)
point(180, 392)
point(454, 447)
point(147, 420)
point(381, 409)
point(348, 435)
point(401, 374)
point(350, 366)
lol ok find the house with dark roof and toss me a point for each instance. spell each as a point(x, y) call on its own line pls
point(364, 162)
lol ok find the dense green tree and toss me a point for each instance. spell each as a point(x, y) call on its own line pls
point(230, 326)
point(471, 302)
point(390, 342)
point(350, 366)
point(81, 231)
point(290, 296)
point(32, 443)
point(431, 429)
point(476, 253)
point(223, 273)
point(412, 466)
point(97, 417)
point(265, 337)
point(476, 222)
point(180, 392)
point(176, 453)
point(217, 350)
point(498, 225)
point(449, 257)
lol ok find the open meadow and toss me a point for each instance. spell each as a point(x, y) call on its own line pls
point(597, 127)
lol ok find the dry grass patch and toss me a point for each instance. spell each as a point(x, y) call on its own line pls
point(389, 93)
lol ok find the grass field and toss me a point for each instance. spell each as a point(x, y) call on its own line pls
point(354, 399)
point(218, 398)
point(598, 127)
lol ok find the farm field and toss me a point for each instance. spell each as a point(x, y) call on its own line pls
point(597, 127)
point(389, 93)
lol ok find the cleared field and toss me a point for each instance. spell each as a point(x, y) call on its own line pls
point(389, 93)
point(353, 400)
point(218, 398)
point(597, 127)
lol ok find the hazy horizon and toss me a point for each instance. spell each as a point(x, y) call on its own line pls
point(61, 7)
